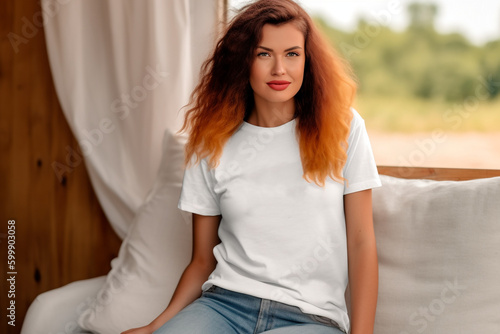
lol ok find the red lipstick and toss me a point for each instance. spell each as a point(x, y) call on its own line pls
point(279, 84)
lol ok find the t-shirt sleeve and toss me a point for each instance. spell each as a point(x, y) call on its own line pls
point(197, 193)
point(360, 170)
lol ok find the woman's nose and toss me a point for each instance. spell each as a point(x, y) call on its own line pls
point(278, 68)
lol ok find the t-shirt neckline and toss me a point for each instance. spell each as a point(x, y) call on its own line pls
point(283, 127)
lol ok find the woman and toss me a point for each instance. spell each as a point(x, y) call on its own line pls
point(279, 181)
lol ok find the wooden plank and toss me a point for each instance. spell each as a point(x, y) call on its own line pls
point(62, 235)
point(451, 174)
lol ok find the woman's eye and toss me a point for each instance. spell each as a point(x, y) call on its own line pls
point(292, 54)
point(263, 54)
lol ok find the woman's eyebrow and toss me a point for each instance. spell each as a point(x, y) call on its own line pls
point(289, 49)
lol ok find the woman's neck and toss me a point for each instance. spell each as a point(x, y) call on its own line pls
point(272, 114)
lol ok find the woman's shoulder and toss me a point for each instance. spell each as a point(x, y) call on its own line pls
point(356, 120)
point(355, 115)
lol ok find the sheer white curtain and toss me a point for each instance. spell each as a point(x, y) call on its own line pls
point(123, 69)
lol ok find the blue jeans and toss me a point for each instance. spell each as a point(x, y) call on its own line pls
point(221, 311)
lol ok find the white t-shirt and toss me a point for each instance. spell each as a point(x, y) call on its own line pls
point(282, 238)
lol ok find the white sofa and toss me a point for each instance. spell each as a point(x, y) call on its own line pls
point(439, 251)
point(438, 246)
point(57, 311)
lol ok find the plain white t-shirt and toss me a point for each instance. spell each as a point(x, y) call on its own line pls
point(282, 238)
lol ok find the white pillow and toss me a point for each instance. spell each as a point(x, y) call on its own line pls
point(439, 252)
point(152, 256)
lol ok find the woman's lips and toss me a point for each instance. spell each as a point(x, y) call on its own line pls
point(279, 84)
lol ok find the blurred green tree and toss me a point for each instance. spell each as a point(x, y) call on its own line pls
point(418, 62)
point(422, 15)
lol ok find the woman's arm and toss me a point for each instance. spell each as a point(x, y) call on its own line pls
point(203, 262)
point(363, 263)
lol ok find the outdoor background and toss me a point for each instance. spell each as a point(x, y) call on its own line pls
point(428, 75)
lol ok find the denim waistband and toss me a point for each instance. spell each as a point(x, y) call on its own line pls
point(273, 306)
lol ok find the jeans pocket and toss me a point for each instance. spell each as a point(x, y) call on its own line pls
point(210, 289)
point(325, 321)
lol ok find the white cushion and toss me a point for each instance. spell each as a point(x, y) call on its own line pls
point(439, 252)
point(152, 257)
point(57, 310)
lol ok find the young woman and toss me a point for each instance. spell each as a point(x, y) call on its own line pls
point(279, 181)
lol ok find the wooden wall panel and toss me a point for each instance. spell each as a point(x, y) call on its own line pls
point(62, 234)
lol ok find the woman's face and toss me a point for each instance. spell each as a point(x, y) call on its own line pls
point(277, 70)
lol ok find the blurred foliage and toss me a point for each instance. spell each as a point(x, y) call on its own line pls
point(418, 62)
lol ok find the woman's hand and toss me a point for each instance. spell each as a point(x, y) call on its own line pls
point(141, 330)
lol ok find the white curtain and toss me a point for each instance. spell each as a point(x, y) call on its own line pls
point(123, 69)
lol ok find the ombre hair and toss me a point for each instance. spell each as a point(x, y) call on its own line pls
point(223, 99)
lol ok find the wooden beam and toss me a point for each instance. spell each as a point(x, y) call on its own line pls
point(432, 173)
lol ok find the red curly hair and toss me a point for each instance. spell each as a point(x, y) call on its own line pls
point(223, 99)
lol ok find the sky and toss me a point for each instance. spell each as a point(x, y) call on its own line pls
point(478, 20)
